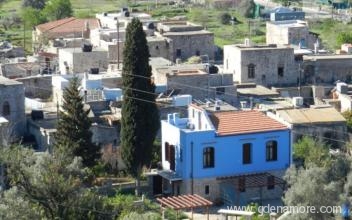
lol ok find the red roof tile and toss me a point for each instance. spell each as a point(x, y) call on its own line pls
point(68, 25)
point(243, 122)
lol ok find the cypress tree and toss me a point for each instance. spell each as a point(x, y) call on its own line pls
point(140, 116)
point(73, 135)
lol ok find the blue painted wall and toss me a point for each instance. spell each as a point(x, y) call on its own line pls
point(228, 152)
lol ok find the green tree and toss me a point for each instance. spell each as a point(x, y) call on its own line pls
point(246, 8)
point(48, 186)
point(58, 9)
point(311, 187)
point(32, 16)
point(73, 135)
point(36, 4)
point(225, 18)
point(312, 152)
point(140, 116)
point(343, 38)
point(348, 116)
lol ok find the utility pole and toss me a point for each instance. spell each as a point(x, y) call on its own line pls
point(299, 80)
point(24, 36)
point(118, 44)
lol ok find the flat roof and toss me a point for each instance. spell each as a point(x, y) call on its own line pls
point(259, 47)
point(289, 23)
point(311, 115)
point(257, 90)
point(79, 50)
point(8, 82)
point(159, 61)
point(200, 32)
point(327, 57)
point(244, 122)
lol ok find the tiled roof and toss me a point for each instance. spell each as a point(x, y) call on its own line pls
point(243, 122)
point(67, 25)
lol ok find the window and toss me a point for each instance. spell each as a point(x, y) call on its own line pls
point(206, 190)
point(280, 71)
point(6, 109)
point(251, 71)
point(208, 157)
point(220, 90)
point(246, 154)
point(181, 155)
point(193, 113)
point(178, 53)
point(167, 151)
point(242, 184)
point(271, 151)
point(271, 182)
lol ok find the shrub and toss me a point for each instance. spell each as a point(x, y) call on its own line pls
point(225, 18)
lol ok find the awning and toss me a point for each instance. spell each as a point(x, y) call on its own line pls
point(184, 202)
point(169, 175)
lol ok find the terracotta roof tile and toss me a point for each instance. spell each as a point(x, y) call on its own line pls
point(243, 122)
point(68, 25)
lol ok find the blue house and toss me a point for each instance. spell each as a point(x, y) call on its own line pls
point(236, 156)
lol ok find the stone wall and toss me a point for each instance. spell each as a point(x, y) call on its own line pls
point(103, 134)
point(160, 47)
point(13, 94)
point(330, 133)
point(284, 35)
point(192, 44)
point(215, 189)
point(327, 69)
point(37, 86)
point(79, 62)
point(266, 61)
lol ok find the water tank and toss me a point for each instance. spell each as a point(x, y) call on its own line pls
point(342, 88)
point(87, 47)
point(151, 26)
point(212, 69)
point(37, 114)
point(94, 71)
point(297, 101)
point(217, 105)
point(182, 100)
point(243, 104)
point(126, 14)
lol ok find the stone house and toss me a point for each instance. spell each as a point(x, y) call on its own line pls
point(320, 69)
point(20, 69)
point(266, 65)
point(325, 124)
point(234, 156)
point(187, 39)
point(290, 32)
point(12, 106)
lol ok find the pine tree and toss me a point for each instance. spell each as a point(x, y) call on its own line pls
point(73, 134)
point(140, 116)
